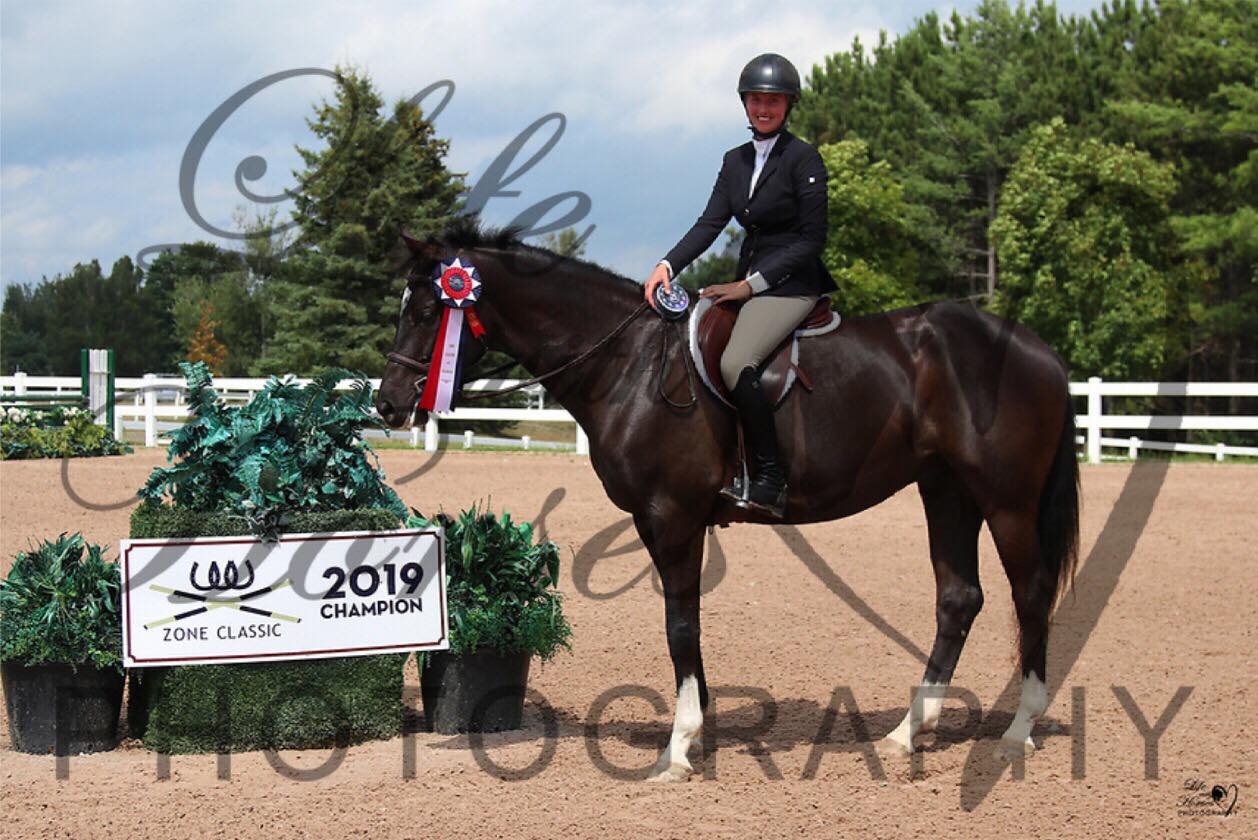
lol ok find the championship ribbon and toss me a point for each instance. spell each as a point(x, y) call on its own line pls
point(458, 286)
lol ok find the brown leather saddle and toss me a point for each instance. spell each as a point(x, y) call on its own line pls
point(710, 329)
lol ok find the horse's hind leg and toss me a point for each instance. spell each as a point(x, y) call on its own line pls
point(678, 554)
point(952, 520)
point(1016, 537)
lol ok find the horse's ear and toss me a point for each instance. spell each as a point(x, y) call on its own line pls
point(420, 248)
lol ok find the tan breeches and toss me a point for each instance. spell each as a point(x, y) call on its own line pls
point(763, 322)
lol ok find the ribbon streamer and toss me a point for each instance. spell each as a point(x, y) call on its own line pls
point(443, 374)
point(457, 285)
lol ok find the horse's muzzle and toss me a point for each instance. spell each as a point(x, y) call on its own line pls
point(396, 416)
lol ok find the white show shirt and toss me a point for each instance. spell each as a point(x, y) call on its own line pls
point(762, 154)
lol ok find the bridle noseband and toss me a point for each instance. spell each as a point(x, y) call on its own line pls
point(408, 362)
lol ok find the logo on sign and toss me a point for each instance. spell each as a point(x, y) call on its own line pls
point(238, 599)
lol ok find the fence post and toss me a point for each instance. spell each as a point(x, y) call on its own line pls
point(98, 385)
point(19, 383)
point(583, 441)
point(467, 439)
point(525, 440)
point(1133, 447)
point(1219, 451)
point(414, 435)
point(150, 410)
point(1094, 419)
point(430, 433)
point(111, 389)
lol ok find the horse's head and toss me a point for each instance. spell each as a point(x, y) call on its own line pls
point(418, 320)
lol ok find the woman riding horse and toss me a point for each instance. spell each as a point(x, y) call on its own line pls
point(775, 186)
point(974, 409)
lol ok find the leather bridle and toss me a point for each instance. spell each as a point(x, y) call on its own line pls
point(421, 367)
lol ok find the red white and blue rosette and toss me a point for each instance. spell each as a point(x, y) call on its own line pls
point(458, 286)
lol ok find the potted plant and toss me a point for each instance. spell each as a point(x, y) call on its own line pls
point(61, 648)
point(291, 460)
point(504, 608)
point(56, 432)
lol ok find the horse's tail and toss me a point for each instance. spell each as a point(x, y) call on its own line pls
point(1058, 523)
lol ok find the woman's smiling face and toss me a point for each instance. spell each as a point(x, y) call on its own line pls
point(765, 110)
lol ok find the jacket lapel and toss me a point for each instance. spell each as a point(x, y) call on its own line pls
point(747, 158)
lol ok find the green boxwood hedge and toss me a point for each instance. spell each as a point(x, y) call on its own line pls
point(282, 705)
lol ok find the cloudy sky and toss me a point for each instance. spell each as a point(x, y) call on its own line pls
point(100, 101)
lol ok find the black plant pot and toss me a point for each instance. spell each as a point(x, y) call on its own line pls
point(57, 709)
point(474, 692)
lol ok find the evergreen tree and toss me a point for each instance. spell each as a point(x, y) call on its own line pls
point(335, 298)
point(46, 326)
point(1186, 93)
point(948, 105)
point(22, 330)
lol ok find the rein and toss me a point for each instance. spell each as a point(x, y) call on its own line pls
point(422, 368)
point(598, 345)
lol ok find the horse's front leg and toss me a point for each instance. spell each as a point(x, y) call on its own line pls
point(677, 551)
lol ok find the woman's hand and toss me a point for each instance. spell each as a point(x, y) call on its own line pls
point(660, 275)
point(722, 292)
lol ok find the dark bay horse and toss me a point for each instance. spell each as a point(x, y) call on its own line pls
point(971, 407)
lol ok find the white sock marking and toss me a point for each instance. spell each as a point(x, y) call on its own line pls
point(922, 716)
point(686, 725)
point(1034, 703)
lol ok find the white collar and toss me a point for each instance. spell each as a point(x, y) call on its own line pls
point(763, 146)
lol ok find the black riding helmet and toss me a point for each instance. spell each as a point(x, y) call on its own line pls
point(770, 73)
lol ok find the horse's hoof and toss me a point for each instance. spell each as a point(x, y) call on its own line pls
point(671, 773)
point(893, 750)
point(1010, 750)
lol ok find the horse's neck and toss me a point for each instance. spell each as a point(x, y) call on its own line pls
point(547, 319)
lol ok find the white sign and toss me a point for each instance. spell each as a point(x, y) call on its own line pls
point(213, 600)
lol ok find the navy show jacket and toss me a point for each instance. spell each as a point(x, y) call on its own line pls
point(784, 219)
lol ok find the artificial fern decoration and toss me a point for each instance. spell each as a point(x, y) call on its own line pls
point(502, 587)
point(59, 603)
point(291, 448)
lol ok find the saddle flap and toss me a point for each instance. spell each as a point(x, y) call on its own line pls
point(716, 324)
point(711, 326)
point(818, 316)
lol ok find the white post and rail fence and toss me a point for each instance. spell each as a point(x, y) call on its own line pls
point(1094, 422)
point(151, 399)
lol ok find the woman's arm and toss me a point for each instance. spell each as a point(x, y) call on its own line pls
point(708, 226)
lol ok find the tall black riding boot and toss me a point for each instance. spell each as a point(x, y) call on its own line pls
point(767, 493)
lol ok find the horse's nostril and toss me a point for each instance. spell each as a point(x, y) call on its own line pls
point(385, 408)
